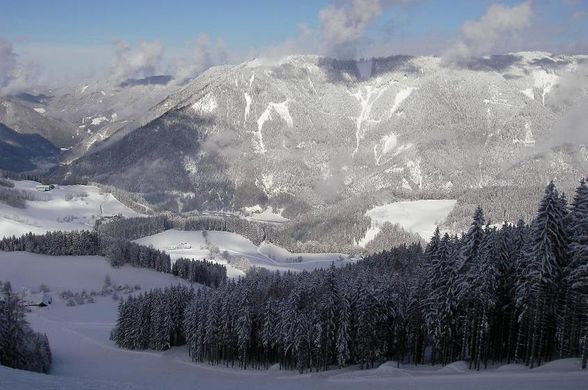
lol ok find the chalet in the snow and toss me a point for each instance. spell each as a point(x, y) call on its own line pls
point(45, 187)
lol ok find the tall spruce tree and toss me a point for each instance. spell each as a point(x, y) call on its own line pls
point(543, 277)
point(578, 268)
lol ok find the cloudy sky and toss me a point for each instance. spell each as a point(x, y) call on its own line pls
point(71, 41)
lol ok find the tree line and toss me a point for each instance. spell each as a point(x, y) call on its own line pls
point(515, 293)
point(152, 320)
point(201, 271)
point(118, 251)
point(20, 346)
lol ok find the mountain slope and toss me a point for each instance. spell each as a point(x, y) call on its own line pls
point(78, 117)
point(32, 118)
point(315, 130)
point(24, 152)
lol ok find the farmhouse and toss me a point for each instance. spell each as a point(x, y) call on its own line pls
point(45, 187)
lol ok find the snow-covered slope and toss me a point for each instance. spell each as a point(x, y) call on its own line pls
point(28, 118)
point(163, 371)
point(420, 216)
point(85, 358)
point(237, 252)
point(82, 116)
point(63, 208)
point(76, 273)
point(314, 129)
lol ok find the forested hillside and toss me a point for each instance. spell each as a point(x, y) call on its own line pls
point(518, 293)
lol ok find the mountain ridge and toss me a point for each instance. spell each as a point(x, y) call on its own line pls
point(317, 130)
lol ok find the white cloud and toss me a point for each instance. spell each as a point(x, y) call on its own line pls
point(571, 97)
point(343, 23)
point(305, 43)
point(204, 55)
point(341, 33)
point(141, 62)
point(480, 37)
point(14, 75)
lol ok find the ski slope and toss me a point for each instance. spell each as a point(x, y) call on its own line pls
point(416, 216)
point(64, 208)
point(241, 252)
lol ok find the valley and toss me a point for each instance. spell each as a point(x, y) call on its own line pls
point(350, 194)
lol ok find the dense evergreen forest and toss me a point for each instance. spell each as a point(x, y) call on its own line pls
point(119, 252)
point(515, 293)
point(20, 347)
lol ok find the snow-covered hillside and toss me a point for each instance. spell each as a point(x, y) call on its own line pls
point(309, 129)
point(420, 216)
point(63, 208)
point(237, 252)
point(85, 358)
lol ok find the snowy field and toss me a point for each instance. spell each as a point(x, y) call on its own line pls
point(84, 357)
point(417, 216)
point(64, 208)
point(260, 214)
point(242, 252)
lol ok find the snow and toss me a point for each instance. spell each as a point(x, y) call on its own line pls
point(513, 368)
point(98, 120)
point(386, 145)
point(168, 370)
point(74, 273)
point(282, 110)
point(206, 105)
point(529, 93)
point(240, 249)
point(257, 213)
point(40, 110)
point(369, 236)
point(282, 255)
point(85, 358)
point(248, 106)
point(401, 96)
point(268, 182)
point(53, 210)
point(545, 82)
point(561, 365)
point(529, 139)
point(405, 184)
point(366, 101)
point(416, 175)
point(419, 216)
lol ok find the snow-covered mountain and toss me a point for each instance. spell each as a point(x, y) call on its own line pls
point(316, 130)
point(26, 114)
point(77, 117)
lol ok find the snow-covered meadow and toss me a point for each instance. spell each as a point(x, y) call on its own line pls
point(65, 208)
point(415, 216)
point(237, 252)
